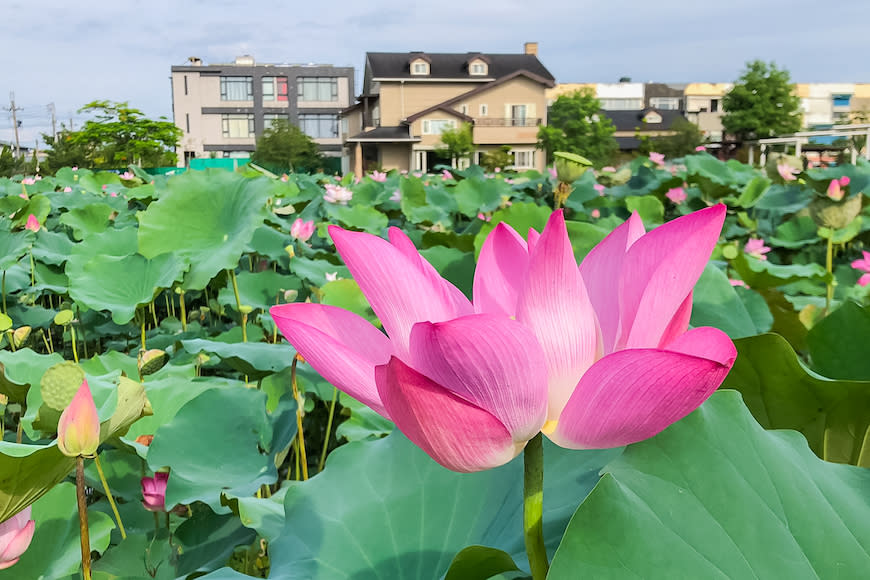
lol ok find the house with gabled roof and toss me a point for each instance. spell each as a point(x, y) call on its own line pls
point(409, 99)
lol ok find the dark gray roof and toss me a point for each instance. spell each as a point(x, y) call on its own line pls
point(451, 65)
point(663, 90)
point(400, 133)
point(628, 143)
point(631, 120)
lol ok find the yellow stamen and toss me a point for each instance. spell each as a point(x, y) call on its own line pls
point(549, 426)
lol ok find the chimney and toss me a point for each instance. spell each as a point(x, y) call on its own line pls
point(531, 48)
point(194, 60)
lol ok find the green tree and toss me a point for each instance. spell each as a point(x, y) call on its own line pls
point(500, 158)
point(457, 143)
point(576, 126)
point(119, 136)
point(687, 136)
point(64, 152)
point(761, 104)
point(284, 147)
point(9, 164)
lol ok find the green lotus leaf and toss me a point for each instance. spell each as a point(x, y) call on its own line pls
point(259, 290)
point(838, 343)
point(715, 303)
point(358, 217)
point(476, 195)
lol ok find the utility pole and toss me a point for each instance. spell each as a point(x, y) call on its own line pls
point(13, 108)
point(53, 112)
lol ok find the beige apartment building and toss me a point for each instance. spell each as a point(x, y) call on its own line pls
point(409, 99)
point(223, 108)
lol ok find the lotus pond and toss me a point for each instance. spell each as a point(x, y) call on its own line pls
point(214, 449)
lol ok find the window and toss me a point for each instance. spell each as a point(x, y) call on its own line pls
point(237, 89)
point(652, 118)
point(237, 126)
point(665, 103)
point(841, 100)
point(319, 126)
point(269, 119)
point(518, 115)
point(420, 67)
point(524, 159)
point(275, 88)
point(477, 68)
point(437, 126)
point(187, 122)
point(317, 88)
point(714, 105)
point(463, 109)
point(185, 84)
point(621, 104)
point(484, 110)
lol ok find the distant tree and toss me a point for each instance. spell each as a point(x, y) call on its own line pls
point(457, 143)
point(687, 136)
point(576, 126)
point(498, 158)
point(284, 147)
point(9, 164)
point(761, 104)
point(120, 136)
point(64, 152)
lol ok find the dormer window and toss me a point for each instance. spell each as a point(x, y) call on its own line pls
point(652, 118)
point(477, 68)
point(419, 67)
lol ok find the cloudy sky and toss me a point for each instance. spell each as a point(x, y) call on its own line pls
point(70, 53)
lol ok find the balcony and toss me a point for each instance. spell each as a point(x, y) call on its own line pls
point(507, 122)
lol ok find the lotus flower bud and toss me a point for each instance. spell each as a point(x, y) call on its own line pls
point(78, 431)
point(154, 492)
point(15, 536)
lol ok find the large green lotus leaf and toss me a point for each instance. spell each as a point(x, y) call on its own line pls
point(717, 496)
point(55, 551)
point(784, 199)
point(255, 359)
point(520, 216)
point(345, 293)
point(358, 217)
point(207, 219)
point(259, 290)
point(121, 284)
point(110, 361)
point(384, 509)
point(763, 274)
point(50, 278)
point(834, 415)
point(839, 343)
point(476, 195)
point(584, 236)
point(753, 191)
point(21, 369)
point(269, 242)
point(454, 265)
point(52, 247)
point(715, 303)
point(316, 269)
point(266, 515)
point(648, 207)
point(221, 441)
point(138, 556)
point(207, 541)
point(797, 232)
point(91, 219)
point(38, 205)
point(413, 195)
point(363, 423)
point(13, 246)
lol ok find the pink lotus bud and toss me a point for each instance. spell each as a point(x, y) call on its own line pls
point(302, 230)
point(379, 176)
point(863, 265)
point(552, 171)
point(657, 158)
point(755, 247)
point(67, 189)
point(78, 431)
point(738, 282)
point(676, 195)
point(785, 171)
point(446, 175)
point(596, 213)
point(32, 223)
point(154, 492)
point(599, 188)
point(700, 148)
point(608, 169)
point(834, 191)
point(15, 536)
point(844, 181)
point(484, 217)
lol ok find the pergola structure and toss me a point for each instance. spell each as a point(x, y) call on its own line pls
point(802, 138)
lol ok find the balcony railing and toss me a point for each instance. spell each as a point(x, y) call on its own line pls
point(508, 122)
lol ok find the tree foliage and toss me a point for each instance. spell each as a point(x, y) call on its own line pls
point(497, 158)
point(686, 137)
point(576, 126)
point(761, 104)
point(284, 147)
point(118, 136)
point(457, 143)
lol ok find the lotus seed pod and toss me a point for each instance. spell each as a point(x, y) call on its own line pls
point(20, 336)
point(151, 361)
point(63, 317)
point(60, 383)
point(835, 214)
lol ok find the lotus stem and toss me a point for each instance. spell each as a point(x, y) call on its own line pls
point(32, 269)
point(110, 497)
point(72, 337)
point(3, 291)
point(300, 438)
point(829, 267)
point(153, 314)
point(232, 274)
point(328, 430)
point(83, 517)
point(183, 311)
point(533, 507)
point(142, 330)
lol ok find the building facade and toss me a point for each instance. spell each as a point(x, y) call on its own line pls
point(409, 99)
point(223, 108)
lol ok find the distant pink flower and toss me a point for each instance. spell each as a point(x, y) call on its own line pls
point(484, 217)
point(552, 171)
point(418, 174)
point(105, 186)
point(676, 195)
point(331, 276)
point(127, 176)
point(844, 181)
point(738, 282)
point(508, 180)
point(23, 196)
point(609, 169)
point(67, 189)
point(78, 430)
point(599, 188)
point(397, 196)
point(113, 194)
point(595, 213)
point(445, 175)
point(785, 171)
point(28, 181)
point(864, 266)
point(32, 223)
point(15, 536)
point(379, 176)
point(154, 491)
point(285, 178)
point(834, 191)
point(755, 247)
point(497, 170)
point(657, 158)
point(302, 230)
point(404, 172)
point(700, 148)
point(75, 167)
point(337, 194)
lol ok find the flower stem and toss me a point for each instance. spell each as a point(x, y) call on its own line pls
point(83, 517)
point(183, 310)
point(533, 507)
point(232, 274)
point(829, 267)
point(300, 437)
point(328, 430)
point(72, 336)
point(109, 497)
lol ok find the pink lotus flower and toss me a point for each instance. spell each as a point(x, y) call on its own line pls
point(599, 188)
point(676, 195)
point(127, 176)
point(738, 282)
point(67, 189)
point(154, 492)
point(445, 175)
point(484, 217)
point(397, 196)
point(32, 223)
point(15, 536)
point(755, 247)
point(608, 169)
point(337, 194)
point(285, 178)
point(657, 158)
point(785, 171)
point(379, 176)
point(553, 173)
point(595, 213)
point(595, 357)
point(78, 430)
point(28, 181)
point(497, 170)
point(834, 191)
point(864, 266)
point(844, 181)
point(302, 230)
point(700, 148)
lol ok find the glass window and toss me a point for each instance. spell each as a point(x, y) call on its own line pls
point(420, 68)
point(518, 115)
point(237, 88)
point(841, 100)
point(665, 103)
point(621, 104)
point(437, 126)
point(484, 110)
point(319, 126)
point(237, 126)
point(268, 88)
point(269, 119)
point(524, 159)
point(317, 88)
point(478, 68)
